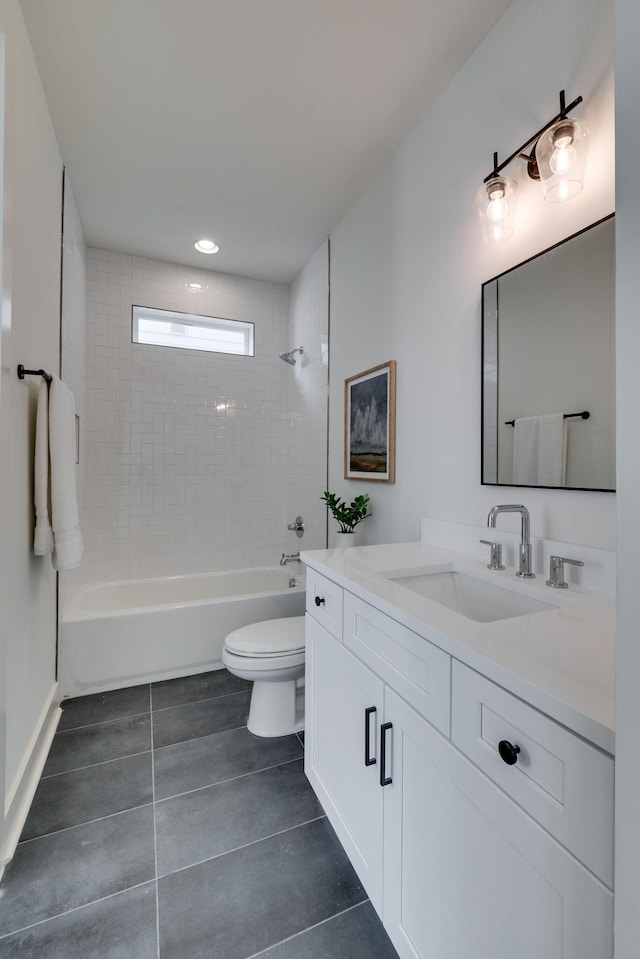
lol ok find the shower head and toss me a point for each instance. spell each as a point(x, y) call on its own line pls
point(289, 357)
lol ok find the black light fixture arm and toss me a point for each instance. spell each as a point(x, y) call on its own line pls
point(564, 110)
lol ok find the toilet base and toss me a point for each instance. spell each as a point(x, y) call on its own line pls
point(277, 709)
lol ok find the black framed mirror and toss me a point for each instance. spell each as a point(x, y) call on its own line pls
point(548, 367)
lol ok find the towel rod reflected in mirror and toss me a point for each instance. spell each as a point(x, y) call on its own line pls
point(22, 373)
point(584, 415)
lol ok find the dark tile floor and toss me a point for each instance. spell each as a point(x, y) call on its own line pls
point(162, 829)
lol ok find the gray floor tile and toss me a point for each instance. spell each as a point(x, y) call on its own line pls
point(69, 799)
point(212, 759)
point(191, 689)
point(238, 904)
point(180, 723)
point(50, 875)
point(102, 707)
point(190, 828)
point(120, 927)
point(74, 748)
point(356, 934)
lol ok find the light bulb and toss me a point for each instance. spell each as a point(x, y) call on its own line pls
point(497, 209)
point(497, 206)
point(495, 202)
point(564, 153)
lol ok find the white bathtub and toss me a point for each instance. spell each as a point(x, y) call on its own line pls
point(141, 631)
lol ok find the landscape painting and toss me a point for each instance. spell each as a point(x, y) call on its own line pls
point(369, 427)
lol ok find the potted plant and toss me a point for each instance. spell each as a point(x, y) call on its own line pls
point(347, 515)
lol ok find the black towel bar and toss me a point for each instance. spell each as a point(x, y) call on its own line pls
point(584, 415)
point(22, 373)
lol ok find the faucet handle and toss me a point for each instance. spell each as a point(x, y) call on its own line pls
point(556, 571)
point(297, 526)
point(496, 554)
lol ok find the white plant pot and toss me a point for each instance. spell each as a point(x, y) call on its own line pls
point(345, 539)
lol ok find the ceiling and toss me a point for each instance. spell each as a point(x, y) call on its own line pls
point(255, 123)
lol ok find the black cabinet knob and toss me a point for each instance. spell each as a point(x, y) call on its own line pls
point(319, 600)
point(508, 752)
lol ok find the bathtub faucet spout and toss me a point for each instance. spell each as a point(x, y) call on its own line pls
point(289, 558)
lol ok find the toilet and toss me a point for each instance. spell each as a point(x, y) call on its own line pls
point(271, 655)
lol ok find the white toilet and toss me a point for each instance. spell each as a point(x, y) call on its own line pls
point(271, 655)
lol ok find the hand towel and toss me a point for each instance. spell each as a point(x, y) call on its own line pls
point(43, 534)
point(67, 550)
point(540, 450)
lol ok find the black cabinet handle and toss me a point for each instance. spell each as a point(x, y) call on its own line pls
point(368, 759)
point(508, 752)
point(319, 600)
point(384, 779)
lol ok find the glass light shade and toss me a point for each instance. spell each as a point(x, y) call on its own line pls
point(561, 154)
point(496, 204)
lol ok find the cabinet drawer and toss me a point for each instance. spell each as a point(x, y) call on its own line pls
point(562, 781)
point(416, 669)
point(324, 602)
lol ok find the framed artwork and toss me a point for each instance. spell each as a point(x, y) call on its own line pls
point(370, 424)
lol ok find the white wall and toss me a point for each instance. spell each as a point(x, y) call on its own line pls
point(407, 264)
point(30, 335)
point(627, 853)
point(197, 461)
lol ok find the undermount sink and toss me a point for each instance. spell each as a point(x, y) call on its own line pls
point(470, 595)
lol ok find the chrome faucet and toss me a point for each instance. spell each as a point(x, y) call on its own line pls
point(524, 550)
point(289, 558)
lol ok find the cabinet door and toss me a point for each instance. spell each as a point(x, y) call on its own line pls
point(468, 873)
point(339, 692)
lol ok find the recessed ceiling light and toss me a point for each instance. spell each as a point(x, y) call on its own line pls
point(206, 246)
point(194, 287)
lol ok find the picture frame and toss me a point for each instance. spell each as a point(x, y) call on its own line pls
point(370, 424)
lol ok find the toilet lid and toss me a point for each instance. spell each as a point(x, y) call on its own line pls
point(268, 638)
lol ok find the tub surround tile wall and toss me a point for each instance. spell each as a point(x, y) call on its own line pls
point(191, 459)
point(160, 853)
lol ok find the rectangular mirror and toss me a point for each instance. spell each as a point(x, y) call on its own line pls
point(548, 367)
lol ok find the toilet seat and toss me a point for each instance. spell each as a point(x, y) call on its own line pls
point(270, 639)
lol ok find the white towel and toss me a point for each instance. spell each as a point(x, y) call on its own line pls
point(540, 450)
point(67, 551)
point(43, 535)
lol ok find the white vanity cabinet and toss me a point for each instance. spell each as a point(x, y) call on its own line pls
point(467, 873)
point(461, 854)
point(344, 709)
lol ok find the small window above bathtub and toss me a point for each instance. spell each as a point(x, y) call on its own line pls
point(187, 331)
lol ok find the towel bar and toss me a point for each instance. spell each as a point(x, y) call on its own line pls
point(584, 415)
point(22, 373)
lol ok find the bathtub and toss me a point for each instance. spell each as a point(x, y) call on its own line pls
point(140, 631)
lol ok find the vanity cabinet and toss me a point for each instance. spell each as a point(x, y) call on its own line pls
point(344, 709)
point(460, 856)
point(467, 872)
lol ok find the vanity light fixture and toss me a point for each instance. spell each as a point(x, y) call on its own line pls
point(557, 159)
point(206, 246)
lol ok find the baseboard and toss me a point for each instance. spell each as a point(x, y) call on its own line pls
point(22, 790)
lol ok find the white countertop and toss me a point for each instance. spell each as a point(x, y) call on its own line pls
point(562, 661)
